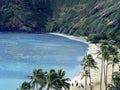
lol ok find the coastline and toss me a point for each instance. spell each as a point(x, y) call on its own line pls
point(80, 38)
point(92, 49)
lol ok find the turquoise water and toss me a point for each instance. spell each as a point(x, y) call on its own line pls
point(20, 53)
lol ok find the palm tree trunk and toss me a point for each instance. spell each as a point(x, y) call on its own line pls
point(104, 71)
point(101, 78)
point(90, 80)
point(106, 76)
point(85, 82)
point(112, 73)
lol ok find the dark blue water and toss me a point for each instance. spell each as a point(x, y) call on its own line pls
point(21, 53)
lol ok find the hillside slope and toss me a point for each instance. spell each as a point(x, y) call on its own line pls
point(75, 17)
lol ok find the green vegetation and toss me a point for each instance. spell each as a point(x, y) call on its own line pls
point(56, 79)
point(109, 53)
point(76, 17)
point(116, 82)
point(88, 62)
point(97, 19)
point(94, 38)
point(51, 80)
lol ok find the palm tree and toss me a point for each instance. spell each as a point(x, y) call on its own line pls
point(91, 64)
point(116, 82)
point(34, 79)
point(42, 78)
point(85, 75)
point(62, 82)
point(56, 80)
point(104, 53)
point(104, 63)
point(88, 63)
point(107, 50)
point(38, 79)
point(25, 86)
point(114, 57)
point(51, 79)
point(114, 62)
point(101, 76)
point(107, 57)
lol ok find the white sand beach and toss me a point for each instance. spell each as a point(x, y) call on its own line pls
point(95, 74)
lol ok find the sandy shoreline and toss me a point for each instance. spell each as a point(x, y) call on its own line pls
point(92, 49)
point(95, 74)
point(81, 39)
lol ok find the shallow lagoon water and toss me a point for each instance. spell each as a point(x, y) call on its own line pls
point(20, 53)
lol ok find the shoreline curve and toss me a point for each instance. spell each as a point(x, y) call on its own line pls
point(92, 49)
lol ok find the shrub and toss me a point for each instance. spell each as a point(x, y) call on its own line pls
point(94, 38)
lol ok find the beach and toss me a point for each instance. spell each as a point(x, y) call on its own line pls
point(95, 73)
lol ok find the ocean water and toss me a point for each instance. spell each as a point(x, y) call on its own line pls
point(20, 53)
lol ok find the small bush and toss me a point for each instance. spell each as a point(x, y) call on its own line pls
point(94, 38)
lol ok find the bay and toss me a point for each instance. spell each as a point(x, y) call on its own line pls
point(20, 53)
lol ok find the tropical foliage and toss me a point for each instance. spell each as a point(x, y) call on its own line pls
point(38, 79)
point(116, 82)
point(109, 53)
point(97, 19)
point(25, 86)
point(50, 80)
point(88, 62)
